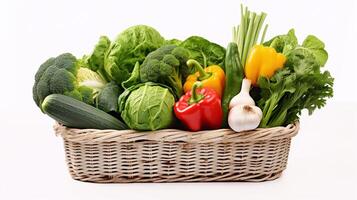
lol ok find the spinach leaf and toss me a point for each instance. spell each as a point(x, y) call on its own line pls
point(204, 51)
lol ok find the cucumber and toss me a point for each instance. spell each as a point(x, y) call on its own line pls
point(76, 114)
point(234, 77)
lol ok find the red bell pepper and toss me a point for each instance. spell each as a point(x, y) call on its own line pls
point(199, 109)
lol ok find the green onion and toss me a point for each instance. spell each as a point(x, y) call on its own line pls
point(247, 33)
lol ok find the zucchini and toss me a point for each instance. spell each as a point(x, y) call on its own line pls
point(234, 77)
point(76, 114)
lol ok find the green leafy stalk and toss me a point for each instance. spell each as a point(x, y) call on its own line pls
point(291, 99)
point(263, 35)
point(246, 34)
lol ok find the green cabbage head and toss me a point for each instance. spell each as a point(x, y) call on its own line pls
point(130, 46)
point(147, 106)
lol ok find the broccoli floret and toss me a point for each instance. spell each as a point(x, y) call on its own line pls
point(166, 65)
point(63, 75)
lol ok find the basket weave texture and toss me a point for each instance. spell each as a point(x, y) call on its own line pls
point(171, 155)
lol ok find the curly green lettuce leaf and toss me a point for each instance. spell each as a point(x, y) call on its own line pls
point(95, 61)
point(131, 46)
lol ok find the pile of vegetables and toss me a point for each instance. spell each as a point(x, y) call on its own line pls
point(142, 81)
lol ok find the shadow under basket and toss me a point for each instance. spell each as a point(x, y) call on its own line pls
point(171, 155)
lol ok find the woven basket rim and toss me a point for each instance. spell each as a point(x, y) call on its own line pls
point(96, 136)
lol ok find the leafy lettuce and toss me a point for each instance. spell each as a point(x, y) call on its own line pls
point(131, 46)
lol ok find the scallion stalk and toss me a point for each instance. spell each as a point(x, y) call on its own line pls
point(246, 34)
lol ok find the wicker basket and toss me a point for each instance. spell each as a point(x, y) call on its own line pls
point(111, 156)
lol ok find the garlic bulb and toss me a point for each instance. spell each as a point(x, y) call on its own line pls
point(243, 98)
point(244, 117)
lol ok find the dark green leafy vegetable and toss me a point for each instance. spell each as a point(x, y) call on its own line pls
point(299, 85)
point(64, 75)
point(147, 106)
point(166, 65)
point(131, 46)
point(107, 99)
point(203, 51)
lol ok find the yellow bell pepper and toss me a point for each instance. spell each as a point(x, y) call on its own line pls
point(262, 61)
point(211, 77)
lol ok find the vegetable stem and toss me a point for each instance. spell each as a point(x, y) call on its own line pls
point(248, 38)
point(195, 97)
point(260, 24)
point(247, 32)
point(263, 35)
point(203, 74)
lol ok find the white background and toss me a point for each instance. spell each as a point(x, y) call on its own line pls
point(322, 162)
